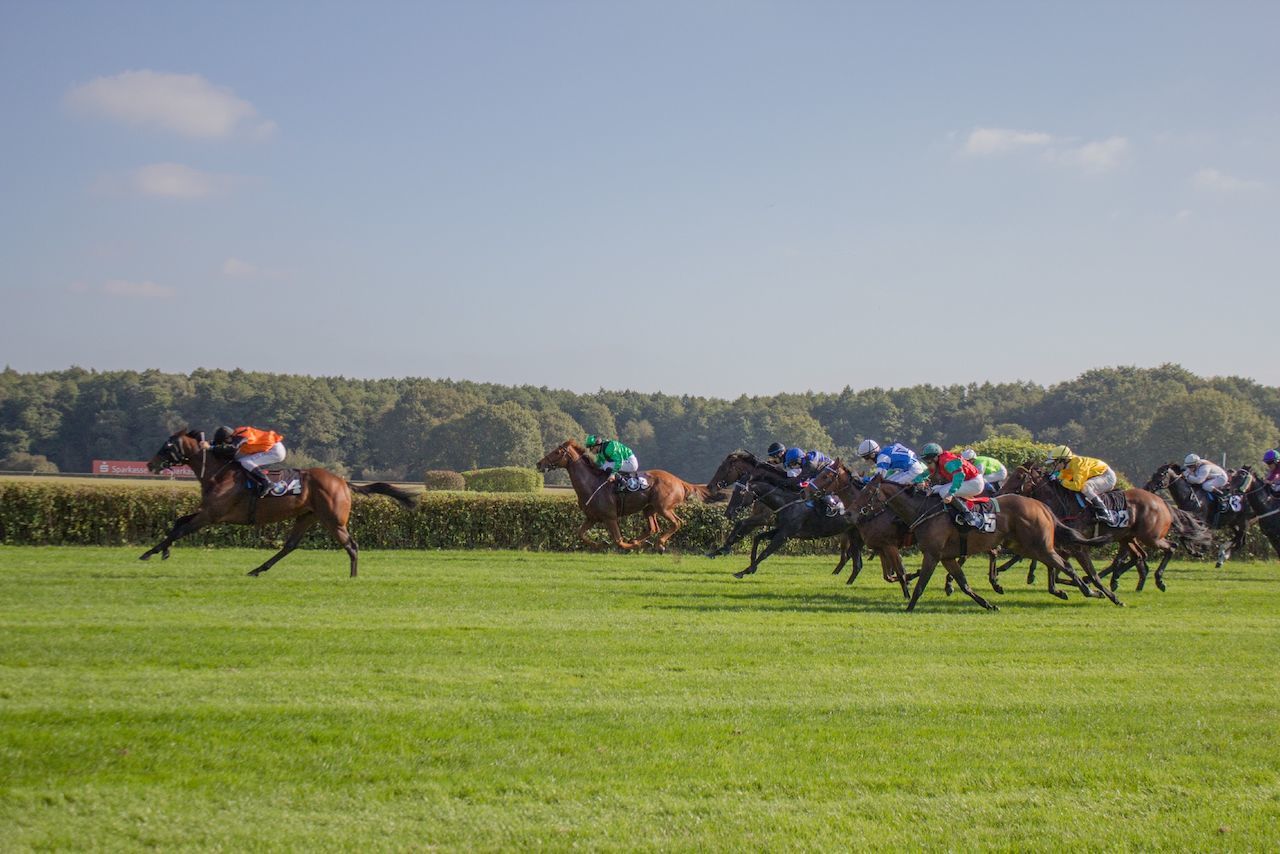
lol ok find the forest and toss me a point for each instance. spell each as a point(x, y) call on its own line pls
point(1134, 418)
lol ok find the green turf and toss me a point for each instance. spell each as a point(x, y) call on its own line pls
point(505, 700)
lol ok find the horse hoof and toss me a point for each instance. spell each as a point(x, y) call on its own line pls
point(1114, 585)
point(712, 555)
point(254, 572)
point(145, 556)
point(742, 574)
point(164, 555)
point(1060, 595)
point(1160, 586)
point(993, 607)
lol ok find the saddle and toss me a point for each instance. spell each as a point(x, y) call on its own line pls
point(1117, 503)
point(283, 482)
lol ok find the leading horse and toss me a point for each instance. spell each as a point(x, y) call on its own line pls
point(1172, 477)
point(603, 505)
point(226, 496)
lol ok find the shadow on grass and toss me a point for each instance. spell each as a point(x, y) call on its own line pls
point(831, 602)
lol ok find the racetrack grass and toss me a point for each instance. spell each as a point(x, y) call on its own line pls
point(498, 700)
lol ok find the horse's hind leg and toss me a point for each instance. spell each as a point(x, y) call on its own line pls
point(300, 528)
point(676, 524)
point(1167, 548)
point(776, 540)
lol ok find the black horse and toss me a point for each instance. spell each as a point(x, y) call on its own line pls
point(1214, 513)
point(1263, 502)
point(795, 517)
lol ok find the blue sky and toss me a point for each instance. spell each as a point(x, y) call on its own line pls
point(706, 198)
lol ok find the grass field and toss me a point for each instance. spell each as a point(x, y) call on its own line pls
point(486, 700)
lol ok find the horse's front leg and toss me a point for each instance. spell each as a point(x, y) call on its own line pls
point(185, 525)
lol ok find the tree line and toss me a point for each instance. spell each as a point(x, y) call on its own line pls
point(1135, 418)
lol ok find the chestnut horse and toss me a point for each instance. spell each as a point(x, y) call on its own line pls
point(1151, 522)
point(1023, 525)
point(602, 505)
point(325, 498)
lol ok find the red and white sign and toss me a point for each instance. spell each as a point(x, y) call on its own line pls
point(133, 468)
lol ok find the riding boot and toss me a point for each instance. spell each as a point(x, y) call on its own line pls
point(1104, 515)
point(260, 478)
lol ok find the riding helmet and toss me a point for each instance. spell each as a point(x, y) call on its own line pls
point(1062, 452)
point(222, 435)
point(1191, 460)
point(930, 451)
point(868, 448)
point(969, 454)
point(793, 457)
point(777, 449)
point(1271, 456)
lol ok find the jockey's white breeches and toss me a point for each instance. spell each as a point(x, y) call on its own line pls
point(908, 476)
point(1094, 486)
point(996, 478)
point(1214, 482)
point(629, 465)
point(274, 454)
point(969, 489)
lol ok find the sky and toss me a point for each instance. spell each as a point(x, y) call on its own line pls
point(714, 198)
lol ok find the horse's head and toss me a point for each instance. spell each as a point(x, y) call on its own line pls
point(833, 478)
point(561, 456)
point(1163, 477)
point(1023, 481)
point(1242, 479)
point(869, 500)
point(179, 450)
point(734, 467)
point(744, 495)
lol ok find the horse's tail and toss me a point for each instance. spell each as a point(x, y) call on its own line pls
point(1076, 538)
point(700, 490)
point(1192, 534)
point(405, 499)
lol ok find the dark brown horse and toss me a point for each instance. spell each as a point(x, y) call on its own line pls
point(1152, 520)
point(603, 505)
point(1263, 501)
point(881, 530)
point(1023, 525)
point(325, 498)
point(1172, 477)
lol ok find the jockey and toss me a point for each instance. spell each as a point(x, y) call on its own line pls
point(896, 463)
point(812, 463)
point(792, 461)
point(252, 449)
point(615, 458)
point(960, 478)
point(1206, 475)
point(1272, 458)
point(993, 471)
point(1084, 475)
point(775, 453)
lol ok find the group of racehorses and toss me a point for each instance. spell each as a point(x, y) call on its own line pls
point(1036, 517)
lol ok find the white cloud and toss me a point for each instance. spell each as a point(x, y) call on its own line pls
point(987, 141)
point(1214, 181)
point(1101, 156)
point(139, 290)
point(175, 181)
point(185, 104)
point(238, 269)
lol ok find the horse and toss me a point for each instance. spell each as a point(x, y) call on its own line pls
point(880, 529)
point(1171, 477)
point(742, 466)
point(1152, 520)
point(603, 505)
point(227, 495)
point(1264, 503)
point(796, 517)
point(1023, 525)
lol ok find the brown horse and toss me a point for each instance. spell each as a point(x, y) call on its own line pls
point(880, 529)
point(325, 498)
point(1188, 497)
point(602, 505)
point(1149, 529)
point(1023, 525)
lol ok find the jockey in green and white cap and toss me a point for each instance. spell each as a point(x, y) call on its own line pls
point(612, 455)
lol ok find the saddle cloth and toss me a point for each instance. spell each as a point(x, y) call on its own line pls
point(827, 505)
point(1116, 502)
point(283, 482)
point(977, 513)
point(636, 482)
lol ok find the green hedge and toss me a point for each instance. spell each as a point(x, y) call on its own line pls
point(122, 514)
point(442, 480)
point(506, 479)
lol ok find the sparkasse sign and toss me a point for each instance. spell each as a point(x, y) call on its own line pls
point(135, 468)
